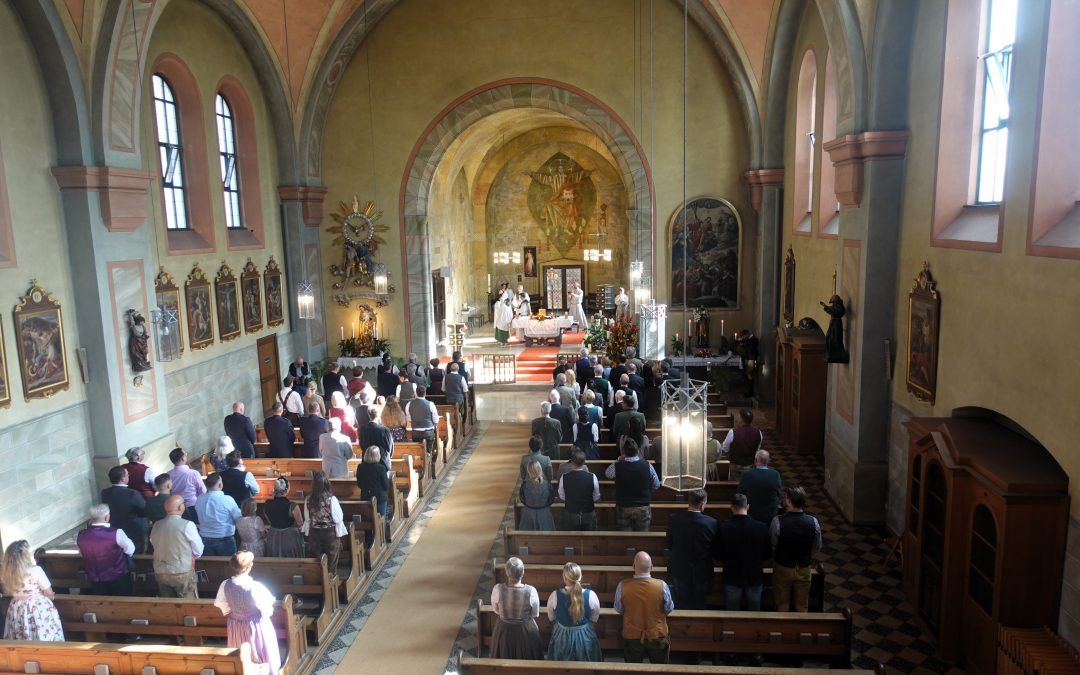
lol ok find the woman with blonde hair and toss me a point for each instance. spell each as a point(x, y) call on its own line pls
point(249, 605)
point(536, 495)
point(517, 605)
point(393, 418)
point(572, 611)
point(283, 539)
point(571, 381)
point(31, 614)
point(312, 396)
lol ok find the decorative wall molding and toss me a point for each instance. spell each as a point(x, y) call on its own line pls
point(310, 199)
point(121, 192)
point(758, 179)
point(849, 152)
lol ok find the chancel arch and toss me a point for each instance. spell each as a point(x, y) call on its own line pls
point(584, 110)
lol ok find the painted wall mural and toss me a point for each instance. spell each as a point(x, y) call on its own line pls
point(561, 199)
point(708, 248)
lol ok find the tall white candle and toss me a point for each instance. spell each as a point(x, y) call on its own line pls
point(342, 328)
point(721, 326)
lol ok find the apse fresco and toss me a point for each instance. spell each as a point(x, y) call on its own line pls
point(561, 198)
point(705, 254)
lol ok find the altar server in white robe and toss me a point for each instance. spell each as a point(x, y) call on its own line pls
point(577, 312)
point(504, 314)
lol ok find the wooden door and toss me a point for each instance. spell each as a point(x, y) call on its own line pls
point(557, 280)
point(438, 304)
point(269, 372)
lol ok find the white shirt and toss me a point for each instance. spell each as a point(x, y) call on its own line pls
point(595, 432)
point(336, 514)
point(292, 401)
point(534, 598)
point(594, 605)
point(431, 407)
point(595, 486)
point(122, 540)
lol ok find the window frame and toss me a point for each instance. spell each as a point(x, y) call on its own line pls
point(225, 124)
point(167, 110)
point(987, 92)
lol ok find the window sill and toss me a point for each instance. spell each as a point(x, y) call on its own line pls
point(242, 239)
point(1062, 240)
point(831, 229)
point(803, 226)
point(976, 228)
point(187, 241)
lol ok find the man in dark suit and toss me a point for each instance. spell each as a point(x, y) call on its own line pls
point(761, 484)
point(549, 430)
point(563, 414)
point(742, 546)
point(127, 508)
point(279, 433)
point(374, 433)
point(617, 371)
point(690, 565)
point(749, 348)
point(239, 428)
point(636, 381)
point(311, 427)
point(584, 369)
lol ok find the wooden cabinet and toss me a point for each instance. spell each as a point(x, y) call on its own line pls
point(801, 380)
point(984, 544)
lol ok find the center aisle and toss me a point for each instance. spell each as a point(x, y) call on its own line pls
point(418, 617)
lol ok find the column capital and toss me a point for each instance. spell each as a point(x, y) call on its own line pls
point(121, 192)
point(758, 179)
point(849, 152)
point(310, 199)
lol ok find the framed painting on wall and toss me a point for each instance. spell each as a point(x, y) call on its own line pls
point(168, 301)
point(528, 262)
point(251, 298)
point(5, 388)
point(228, 307)
point(705, 254)
point(924, 316)
point(197, 302)
point(39, 334)
point(275, 306)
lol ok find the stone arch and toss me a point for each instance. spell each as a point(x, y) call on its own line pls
point(127, 29)
point(461, 114)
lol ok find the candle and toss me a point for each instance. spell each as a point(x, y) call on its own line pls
point(721, 326)
point(352, 330)
point(342, 332)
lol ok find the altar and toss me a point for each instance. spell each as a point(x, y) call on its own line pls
point(347, 363)
point(541, 330)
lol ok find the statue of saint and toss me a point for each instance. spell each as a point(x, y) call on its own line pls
point(138, 341)
point(835, 351)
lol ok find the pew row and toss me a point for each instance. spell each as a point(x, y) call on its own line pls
point(719, 492)
point(405, 480)
point(79, 658)
point(603, 579)
point(306, 578)
point(609, 450)
point(599, 466)
point(95, 617)
point(661, 514)
point(471, 665)
point(822, 636)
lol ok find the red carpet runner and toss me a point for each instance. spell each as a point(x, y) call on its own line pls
point(536, 363)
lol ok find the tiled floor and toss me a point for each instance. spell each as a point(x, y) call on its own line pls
point(857, 577)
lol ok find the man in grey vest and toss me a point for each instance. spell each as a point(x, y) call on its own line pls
point(579, 490)
point(176, 546)
point(455, 387)
point(423, 416)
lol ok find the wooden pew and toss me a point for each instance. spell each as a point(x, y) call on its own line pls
point(300, 467)
point(193, 620)
point(719, 492)
point(599, 466)
point(661, 514)
point(80, 658)
point(304, 577)
point(423, 464)
point(603, 579)
point(453, 427)
point(260, 434)
point(407, 483)
point(405, 480)
point(824, 636)
point(471, 665)
point(362, 517)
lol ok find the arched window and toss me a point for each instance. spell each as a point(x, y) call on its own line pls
point(230, 182)
point(996, 57)
point(805, 142)
point(171, 155)
point(828, 211)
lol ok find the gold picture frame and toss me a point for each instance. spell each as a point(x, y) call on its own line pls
point(5, 383)
point(39, 333)
point(713, 259)
point(199, 309)
point(251, 298)
point(227, 300)
point(168, 299)
point(924, 322)
point(275, 300)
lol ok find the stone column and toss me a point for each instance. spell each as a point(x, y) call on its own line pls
point(301, 216)
point(869, 186)
point(767, 200)
point(111, 253)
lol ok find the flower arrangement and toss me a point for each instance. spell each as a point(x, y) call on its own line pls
point(596, 338)
point(623, 334)
point(364, 346)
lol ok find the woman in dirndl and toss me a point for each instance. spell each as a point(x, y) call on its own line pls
point(515, 635)
point(536, 496)
point(31, 614)
point(249, 606)
point(504, 314)
point(283, 538)
point(573, 610)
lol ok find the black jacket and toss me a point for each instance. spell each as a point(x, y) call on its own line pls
point(311, 427)
point(742, 545)
point(566, 419)
point(279, 433)
point(689, 541)
point(127, 512)
point(239, 428)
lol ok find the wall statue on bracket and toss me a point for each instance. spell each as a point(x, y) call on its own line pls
point(358, 234)
point(835, 351)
